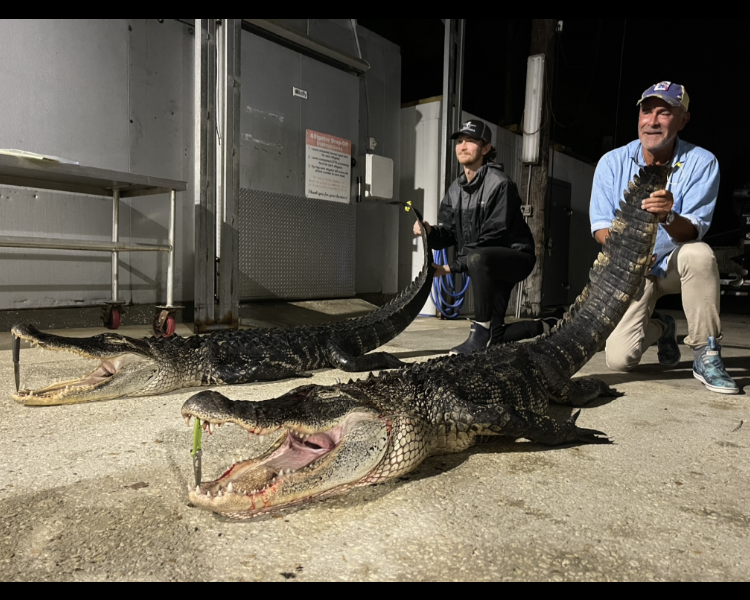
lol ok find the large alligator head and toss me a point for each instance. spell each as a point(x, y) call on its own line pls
point(329, 441)
point(128, 367)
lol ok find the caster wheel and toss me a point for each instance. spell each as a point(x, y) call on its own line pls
point(165, 329)
point(113, 322)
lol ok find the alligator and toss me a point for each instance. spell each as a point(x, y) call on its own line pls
point(155, 365)
point(330, 439)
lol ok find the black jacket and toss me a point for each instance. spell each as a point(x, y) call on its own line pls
point(485, 212)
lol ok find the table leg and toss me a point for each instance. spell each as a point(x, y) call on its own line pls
point(170, 264)
point(115, 239)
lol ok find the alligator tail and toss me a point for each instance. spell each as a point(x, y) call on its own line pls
point(388, 321)
point(616, 277)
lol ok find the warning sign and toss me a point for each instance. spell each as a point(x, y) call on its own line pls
point(329, 167)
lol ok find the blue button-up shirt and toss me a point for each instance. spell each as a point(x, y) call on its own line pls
point(694, 183)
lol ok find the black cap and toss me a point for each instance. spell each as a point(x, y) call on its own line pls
point(476, 129)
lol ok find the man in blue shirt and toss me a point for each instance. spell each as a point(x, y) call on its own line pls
point(682, 263)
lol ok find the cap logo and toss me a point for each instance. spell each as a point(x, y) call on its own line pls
point(469, 126)
point(663, 86)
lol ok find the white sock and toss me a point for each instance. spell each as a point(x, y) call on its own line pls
point(486, 324)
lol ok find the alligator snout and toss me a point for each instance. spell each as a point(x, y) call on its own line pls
point(209, 404)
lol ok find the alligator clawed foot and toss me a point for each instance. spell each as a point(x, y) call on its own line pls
point(592, 436)
point(611, 392)
point(586, 436)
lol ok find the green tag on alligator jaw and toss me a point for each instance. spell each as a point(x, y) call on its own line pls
point(197, 436)
point(197, 452)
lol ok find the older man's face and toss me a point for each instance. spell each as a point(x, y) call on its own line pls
point(659, 123)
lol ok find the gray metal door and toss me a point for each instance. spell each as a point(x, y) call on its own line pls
point(292, 247)
point(556, 282)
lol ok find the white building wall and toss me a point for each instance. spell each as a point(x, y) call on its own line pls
point(114, 94)
point(377, 222)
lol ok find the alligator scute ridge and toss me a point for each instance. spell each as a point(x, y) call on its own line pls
point(334, 438)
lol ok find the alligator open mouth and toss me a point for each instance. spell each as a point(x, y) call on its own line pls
point(124, 367)
point(255, 479)
point(303, 464)
point(106, 369)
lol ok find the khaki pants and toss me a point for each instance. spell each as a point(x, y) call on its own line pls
point(692, 270)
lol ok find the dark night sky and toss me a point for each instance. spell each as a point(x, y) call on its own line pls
point(705, 55)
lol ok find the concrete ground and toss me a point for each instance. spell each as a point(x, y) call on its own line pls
point(98, 491)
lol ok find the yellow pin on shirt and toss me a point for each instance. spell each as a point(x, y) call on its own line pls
point(678, 165)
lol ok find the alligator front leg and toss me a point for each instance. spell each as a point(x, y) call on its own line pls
point(579, 392)
point(571, 392)
point(340, 359)
point(522, 423)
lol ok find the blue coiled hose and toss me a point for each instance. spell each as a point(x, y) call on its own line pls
point(444, 290)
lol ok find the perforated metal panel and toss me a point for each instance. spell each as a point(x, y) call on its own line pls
point(295, 248)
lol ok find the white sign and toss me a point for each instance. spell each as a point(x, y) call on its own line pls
point(299, 93)
point(328, 168)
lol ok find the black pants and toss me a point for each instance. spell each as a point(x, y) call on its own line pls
point(494, 272)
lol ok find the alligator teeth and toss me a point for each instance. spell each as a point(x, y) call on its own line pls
point(208, 493)
point(210, 429)
point(230, 487)
point(219, 494)
point(198, 490)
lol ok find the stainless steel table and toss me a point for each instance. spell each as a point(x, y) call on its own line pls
point(50, 175)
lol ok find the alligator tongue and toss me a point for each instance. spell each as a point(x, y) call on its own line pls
point(16, 360)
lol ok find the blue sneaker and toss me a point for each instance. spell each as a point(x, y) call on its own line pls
point(709, 369)
point(669, 352)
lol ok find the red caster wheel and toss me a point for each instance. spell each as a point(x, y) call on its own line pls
point(164, 326)
point(113, 321)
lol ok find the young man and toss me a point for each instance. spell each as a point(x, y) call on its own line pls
point(682, 263)
point(481, 216)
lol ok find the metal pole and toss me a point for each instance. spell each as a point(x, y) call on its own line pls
point(446, 120)
point(459, 85)
point(170, 263)
point(205, 173)
point(519, 297)
point(221, 127)
point(115, 239)
point(228, 244)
